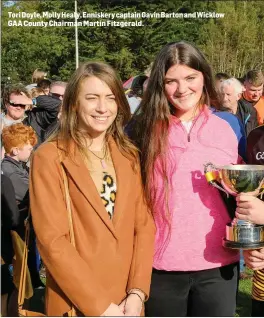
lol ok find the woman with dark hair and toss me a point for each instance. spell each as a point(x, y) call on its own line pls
point(177, 133)
point(108, 272)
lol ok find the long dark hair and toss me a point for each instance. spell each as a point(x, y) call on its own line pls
point(151, 120)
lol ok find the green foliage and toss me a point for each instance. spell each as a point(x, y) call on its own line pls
point(234, 44)
point(244, 298)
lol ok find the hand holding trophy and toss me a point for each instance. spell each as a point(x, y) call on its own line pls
point(235, 179)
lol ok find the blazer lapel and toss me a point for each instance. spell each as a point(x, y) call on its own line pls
point(122, 170)
point(79, 173)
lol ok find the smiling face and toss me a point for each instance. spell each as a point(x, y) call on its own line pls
point(97, 107)
point(184, 89)
point(14, 112)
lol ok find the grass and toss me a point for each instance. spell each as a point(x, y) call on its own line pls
point(244, 297)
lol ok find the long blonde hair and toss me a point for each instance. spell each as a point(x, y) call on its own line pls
point(69, 131)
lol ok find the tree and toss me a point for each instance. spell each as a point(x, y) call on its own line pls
point(234, 44)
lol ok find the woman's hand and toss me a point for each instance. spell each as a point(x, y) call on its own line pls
point(132, 305)
point(254, 259)
point(250, 208)
point(113, 310)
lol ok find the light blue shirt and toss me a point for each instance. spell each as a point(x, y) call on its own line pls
point(133, 103)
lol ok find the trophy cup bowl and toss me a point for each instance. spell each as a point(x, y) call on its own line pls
point(235, 179)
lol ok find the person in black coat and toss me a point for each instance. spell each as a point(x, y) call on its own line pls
point(57, 90)
point(19, 140)
point(10, 218)
point(9, 221)
point(43, 115)
point(255, 146)
point(18, 104)
point(247, 115)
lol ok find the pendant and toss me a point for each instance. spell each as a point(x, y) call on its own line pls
point(103, 163)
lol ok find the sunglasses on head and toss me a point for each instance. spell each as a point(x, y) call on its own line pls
point(17, 105)
point(56, 95)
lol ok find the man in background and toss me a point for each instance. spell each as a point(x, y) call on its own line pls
point(16, 100)
point(57, 89)
point(230, 92)
point(252, 96)
point(46, 112)
point(18, 104)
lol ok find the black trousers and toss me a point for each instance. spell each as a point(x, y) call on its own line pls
point(257, 308)
point(6, 280)
point(204, 293)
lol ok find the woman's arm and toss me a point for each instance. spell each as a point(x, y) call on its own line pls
point(50, 220)
point(142, 261)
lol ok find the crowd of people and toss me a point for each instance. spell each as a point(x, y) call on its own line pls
point(122, 217)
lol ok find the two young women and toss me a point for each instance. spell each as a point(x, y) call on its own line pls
point(177, 133)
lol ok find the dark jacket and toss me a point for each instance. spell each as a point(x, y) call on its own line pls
point(255, 146)
point(42, 116)
point(51, 129)
point(247, 115)
point(17, 172)
point(9, 218)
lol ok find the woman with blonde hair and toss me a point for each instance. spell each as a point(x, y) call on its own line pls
point(108, 271)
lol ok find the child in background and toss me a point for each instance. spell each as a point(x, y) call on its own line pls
point(18, 141)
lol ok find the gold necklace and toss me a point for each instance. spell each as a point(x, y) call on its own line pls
point(103, 163)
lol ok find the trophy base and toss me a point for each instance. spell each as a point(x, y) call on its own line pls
point(245, 246)
point(245, 236)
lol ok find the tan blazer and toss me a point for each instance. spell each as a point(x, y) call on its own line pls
point(112, 256)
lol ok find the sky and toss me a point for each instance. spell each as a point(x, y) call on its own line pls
point(8, 3)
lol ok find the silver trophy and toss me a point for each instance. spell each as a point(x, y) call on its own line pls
point(235, 179)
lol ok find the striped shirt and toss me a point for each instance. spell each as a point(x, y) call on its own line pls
point(255, 154)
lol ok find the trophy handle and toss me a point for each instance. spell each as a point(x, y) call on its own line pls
point(212, 176)
point(261, 193)
point(211, 172)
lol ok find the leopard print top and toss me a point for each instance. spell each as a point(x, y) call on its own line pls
point(108, 194)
